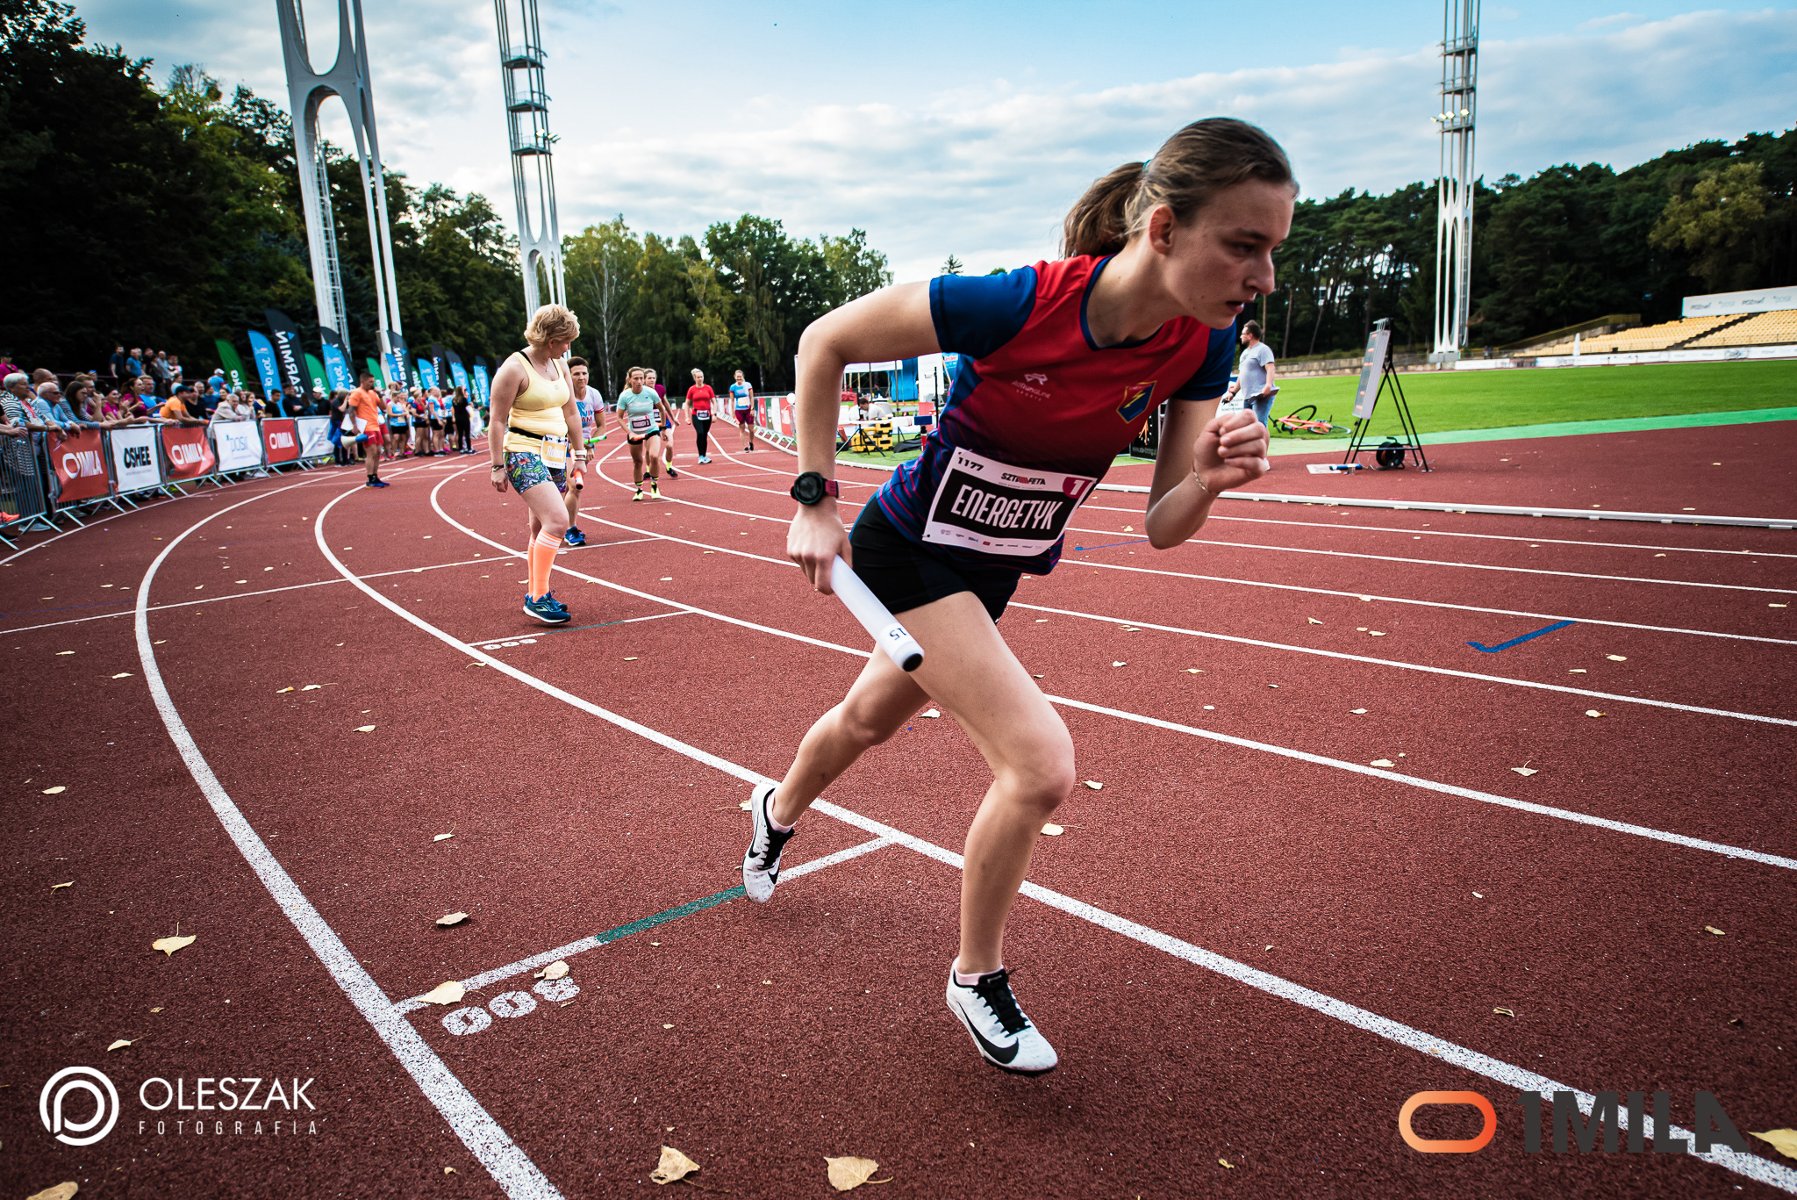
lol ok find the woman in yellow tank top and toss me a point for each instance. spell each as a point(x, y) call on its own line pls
point(535, 431)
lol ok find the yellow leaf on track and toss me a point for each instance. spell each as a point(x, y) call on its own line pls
point(555, 970)
point(1095, 785)
point(454, 918)
point(1225, 1163)
point(1052, 830)
point(312, 687)
point(169, 945)
point(1524, 770)
point(442, 837)
point(1714, 930)
point(1617, 657)
point(847, 1174)
point(1504, 1012)
point(450, 992)
point(1359, 712)
point(1120, 664)
point(1194, 670)
point(1782, 1140)
point(1382, 762)
point(673, 1166)
point(123, 675)
point(1375, 633)
point(63, 653)
point(119, 1045)
point(282, 691)
point(58, 790)
point(364, 729)
point(932, 713)
point(1592, 712)
point(59, 886)
point(63, 1191)
point(1313, 620)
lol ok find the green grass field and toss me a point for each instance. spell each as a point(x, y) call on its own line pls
point(1451, 401)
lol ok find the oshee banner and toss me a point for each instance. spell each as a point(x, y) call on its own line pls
point(239, 445)
point(80, 463)
point(189, 454)
point(280, 441)
point(134, 459)
point(314, 437)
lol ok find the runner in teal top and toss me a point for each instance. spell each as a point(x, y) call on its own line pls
point(643, 414)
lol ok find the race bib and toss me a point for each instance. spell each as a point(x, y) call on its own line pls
point(642, 424)
point(987, 506)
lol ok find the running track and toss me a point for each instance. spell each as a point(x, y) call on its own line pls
point(1252, 945)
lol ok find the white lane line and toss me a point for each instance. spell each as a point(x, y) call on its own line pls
point(510, 1167)
point(1237, 581)
point(536, 633)
point(1396, 664)
point(1749, 1165)
point(1615, 697)
point(1438, 604)
point(1472, 566)
point(292, 587)
point(1321, 525)
point(1350, 527)
point(1448, 789)
point(590, 942)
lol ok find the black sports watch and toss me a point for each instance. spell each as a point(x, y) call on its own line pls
point(810, 488)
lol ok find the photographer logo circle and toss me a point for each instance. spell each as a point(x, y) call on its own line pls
point(54, 1100)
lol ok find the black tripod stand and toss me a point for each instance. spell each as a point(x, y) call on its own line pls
point(1410, 443)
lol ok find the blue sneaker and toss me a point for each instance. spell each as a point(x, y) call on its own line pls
point(574, 537)
point(378, 482)
point(550, 597)
point(545, 609)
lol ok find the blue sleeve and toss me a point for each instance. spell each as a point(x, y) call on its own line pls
point(1212, 379)
point(975, 315)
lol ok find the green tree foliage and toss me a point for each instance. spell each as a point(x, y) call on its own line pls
point(1723, 210)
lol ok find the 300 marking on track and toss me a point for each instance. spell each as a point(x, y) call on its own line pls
point(507, 1005)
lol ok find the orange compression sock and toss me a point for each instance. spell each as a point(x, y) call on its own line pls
point(542, 557)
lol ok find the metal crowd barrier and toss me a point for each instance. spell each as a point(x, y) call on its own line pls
point(52, 477)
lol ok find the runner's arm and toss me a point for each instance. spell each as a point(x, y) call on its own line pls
point(892, 323)
point(1201, 455)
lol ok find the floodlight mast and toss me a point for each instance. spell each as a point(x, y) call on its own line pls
point(1454, 195)
point(348, 80)
point(533, 168)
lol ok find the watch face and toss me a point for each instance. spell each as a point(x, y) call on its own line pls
point(808, 488)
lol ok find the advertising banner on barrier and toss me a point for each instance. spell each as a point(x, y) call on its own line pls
point(314, 437)
point(134, 459)
point(288, 354)
point(235, 375)
point(80, 462)
point(280, 441)
point(239, 445)
point(188, 452)
point(786, 423)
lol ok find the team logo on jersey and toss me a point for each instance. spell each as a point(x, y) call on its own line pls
point(1136, 399)
point(1033, 385)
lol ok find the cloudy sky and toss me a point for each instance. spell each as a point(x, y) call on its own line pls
point(950, 128)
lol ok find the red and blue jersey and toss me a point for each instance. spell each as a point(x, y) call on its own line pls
point(1038, 410)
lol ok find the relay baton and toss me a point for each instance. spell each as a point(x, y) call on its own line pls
point(881, 625)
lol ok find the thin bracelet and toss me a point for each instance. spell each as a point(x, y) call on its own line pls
point(1201, 486)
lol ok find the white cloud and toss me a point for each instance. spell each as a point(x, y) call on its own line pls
point(983, 166)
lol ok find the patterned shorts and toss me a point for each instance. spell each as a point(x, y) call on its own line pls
point(527, 470)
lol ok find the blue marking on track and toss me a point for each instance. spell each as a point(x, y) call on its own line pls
point(1108, 545)
point(1482, 648)
point(672, 914)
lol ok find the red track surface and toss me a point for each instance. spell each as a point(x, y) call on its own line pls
point(1239, 817)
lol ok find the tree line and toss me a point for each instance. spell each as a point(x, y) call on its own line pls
point(170, 216)
point(1568, 245)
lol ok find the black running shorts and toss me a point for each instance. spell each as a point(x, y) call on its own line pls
point(906, 574)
